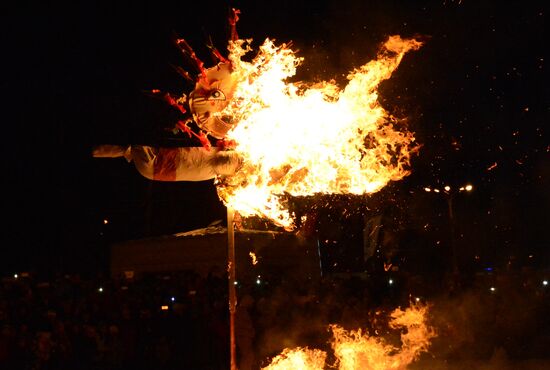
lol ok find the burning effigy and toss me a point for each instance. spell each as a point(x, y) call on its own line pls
point(264, 138)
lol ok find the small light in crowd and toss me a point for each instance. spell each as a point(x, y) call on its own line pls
point(468, 187)
point(461, 188)
point(258, 281)
point(173, 299)
point(164, 308)
point(390, 281)
point(417, 299)
point(545, 282)
point(492, 289)
point(100, 289)
point(447, 188)
point(436, 190)
point(235, 283)
point(427, 190)
point(15, 276)
point(105, 222)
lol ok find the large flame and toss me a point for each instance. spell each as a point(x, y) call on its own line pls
point(355, 350)
point(298, 359)
point(302, 139)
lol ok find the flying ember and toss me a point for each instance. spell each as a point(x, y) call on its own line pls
point(302, 139)
point(253, 258)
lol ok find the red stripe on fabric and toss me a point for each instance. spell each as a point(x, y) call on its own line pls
point(166, 163)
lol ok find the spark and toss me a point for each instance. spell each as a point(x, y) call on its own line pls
point(253, 258)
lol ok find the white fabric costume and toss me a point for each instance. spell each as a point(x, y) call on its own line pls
point(174, 164)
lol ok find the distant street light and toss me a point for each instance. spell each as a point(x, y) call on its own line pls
point(449, 193)
point(468, 187)
point(448, 190)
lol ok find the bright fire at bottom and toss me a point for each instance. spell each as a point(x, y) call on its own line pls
point(355, 350)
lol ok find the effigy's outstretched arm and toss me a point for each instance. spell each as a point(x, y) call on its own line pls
point(174, 164)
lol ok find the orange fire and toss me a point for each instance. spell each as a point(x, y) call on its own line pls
point(298, 359)
point(355, 350)
point(253, 258)
point(302, 139)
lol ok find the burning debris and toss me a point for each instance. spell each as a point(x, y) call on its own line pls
point(253, 258)
point(298, 358)
point(355, 350)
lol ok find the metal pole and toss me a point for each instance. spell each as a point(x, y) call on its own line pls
point(231, 285)
point(454, 257)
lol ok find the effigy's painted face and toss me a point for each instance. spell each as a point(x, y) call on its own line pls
point(210, 96)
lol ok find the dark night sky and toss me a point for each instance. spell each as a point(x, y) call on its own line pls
point(475, 96)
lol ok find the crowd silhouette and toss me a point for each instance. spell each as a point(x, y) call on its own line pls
point(180, 320)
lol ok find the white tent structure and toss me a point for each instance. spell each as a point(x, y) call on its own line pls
point(203, 249)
